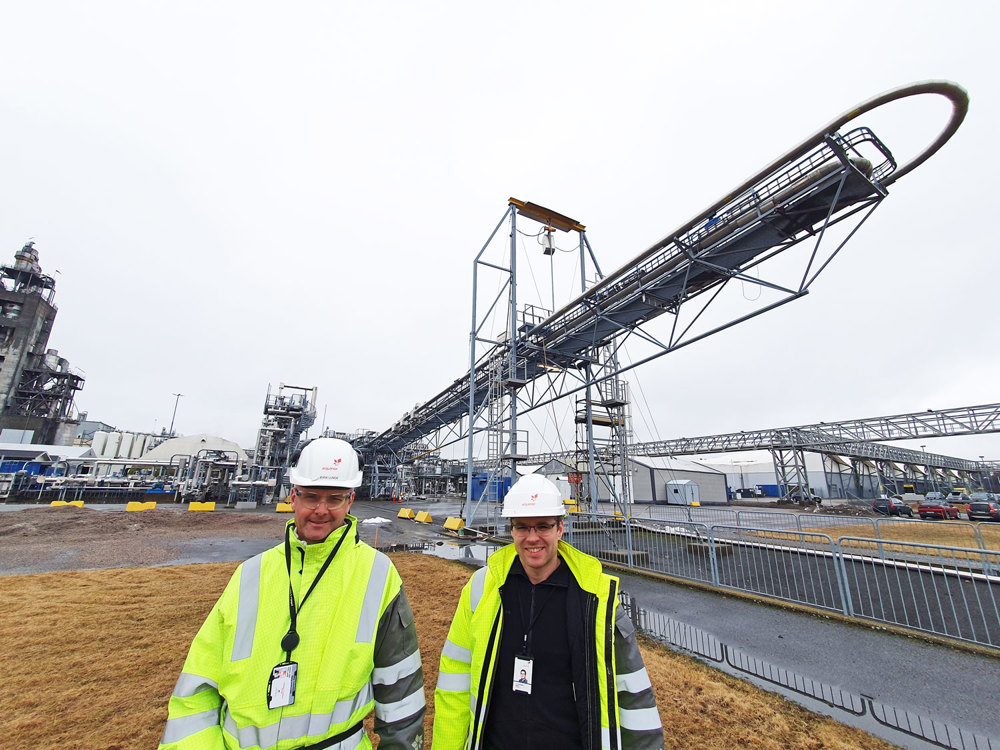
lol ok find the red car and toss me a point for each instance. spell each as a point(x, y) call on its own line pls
point(937, 509)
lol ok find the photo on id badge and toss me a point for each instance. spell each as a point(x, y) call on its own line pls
point(281, 689)
point(522, 675)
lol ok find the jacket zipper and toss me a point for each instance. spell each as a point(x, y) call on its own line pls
point(491, 657)
point(590, 665)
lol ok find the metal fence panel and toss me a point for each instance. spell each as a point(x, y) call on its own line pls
point(949, 591)
point(735, 661)
point(783, 564)
point(676, 548)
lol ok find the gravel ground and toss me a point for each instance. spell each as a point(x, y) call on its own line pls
point(42, 539)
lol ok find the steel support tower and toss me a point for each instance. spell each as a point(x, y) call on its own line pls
point(287, 414)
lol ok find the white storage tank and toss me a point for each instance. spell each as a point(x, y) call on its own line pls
point(138, 446)
point(125, 448)
point(111, 446)
point(98, 442)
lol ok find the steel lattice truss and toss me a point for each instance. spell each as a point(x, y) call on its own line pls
point(853, 438)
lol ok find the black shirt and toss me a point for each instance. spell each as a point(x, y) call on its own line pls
point(534, 626)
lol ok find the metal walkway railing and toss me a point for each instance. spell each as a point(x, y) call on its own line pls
point(817, 561)
point(856, 709)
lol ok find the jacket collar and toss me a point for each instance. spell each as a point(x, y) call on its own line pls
point(586, 570)
point(327, 544)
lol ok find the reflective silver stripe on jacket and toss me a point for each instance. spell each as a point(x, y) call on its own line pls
point(640, 719)
point(453, 651)
point(189, 684)
point(477, 584)
point(184, 726)
point(298, 727)
point(633, 682)
point(246, 611)
point(456, 682)
point(373, 599)
point(479, 711)
point(390, 712)
point(392, 674)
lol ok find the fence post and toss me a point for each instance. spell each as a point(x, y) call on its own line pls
point(840, 566)
point(713, 563)
point(979, 535)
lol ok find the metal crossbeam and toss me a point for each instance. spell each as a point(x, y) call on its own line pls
point(853, 438)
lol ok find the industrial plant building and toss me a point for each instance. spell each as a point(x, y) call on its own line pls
point(37, 386)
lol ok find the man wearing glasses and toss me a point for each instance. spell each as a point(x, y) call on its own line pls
point(540, 654)
point(308, 636)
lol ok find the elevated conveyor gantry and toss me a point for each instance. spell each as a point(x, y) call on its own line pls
point(854, 441)
point(828, 178)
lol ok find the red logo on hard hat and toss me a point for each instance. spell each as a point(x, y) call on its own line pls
point(336, 465)
point(534, 497)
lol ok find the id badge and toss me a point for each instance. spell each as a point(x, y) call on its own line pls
point(522, 675)
point(281, 686)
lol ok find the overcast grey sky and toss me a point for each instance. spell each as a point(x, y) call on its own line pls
point(236, 194)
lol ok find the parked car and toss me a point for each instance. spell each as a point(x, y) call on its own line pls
point(983, 505)
point(799, 496)
point(892, 506)
point(935, 496)
point(958, 497)
point(937, 509)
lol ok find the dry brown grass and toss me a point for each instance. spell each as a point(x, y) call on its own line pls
point(96, 654)
point(944, 533)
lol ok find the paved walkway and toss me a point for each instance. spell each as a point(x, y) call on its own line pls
point(935, 682)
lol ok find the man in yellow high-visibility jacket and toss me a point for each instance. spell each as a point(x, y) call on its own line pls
point(308, 636)
point(539, 654)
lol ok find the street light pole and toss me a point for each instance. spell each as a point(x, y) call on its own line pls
point(178, 398)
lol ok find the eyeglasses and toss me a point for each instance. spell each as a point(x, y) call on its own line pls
point(331, 501)
point(523, 529)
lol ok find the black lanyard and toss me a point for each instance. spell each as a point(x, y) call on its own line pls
point(291, 638)
point(533, 615)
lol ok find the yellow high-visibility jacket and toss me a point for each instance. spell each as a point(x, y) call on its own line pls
point(357, 649)
point(626, 715)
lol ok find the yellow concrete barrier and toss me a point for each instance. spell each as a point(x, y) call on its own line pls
point(151, 505)
point(405, 513)
point(283, 508)
point(77, 503)
point(134, 506)
point(454, 524)
point(206, 506)
point(57, 503)
point(423, 517)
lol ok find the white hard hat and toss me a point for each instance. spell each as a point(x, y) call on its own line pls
point(326, 462)
point(531, 496)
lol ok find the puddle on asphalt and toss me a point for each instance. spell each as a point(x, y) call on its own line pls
point(474, 554)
